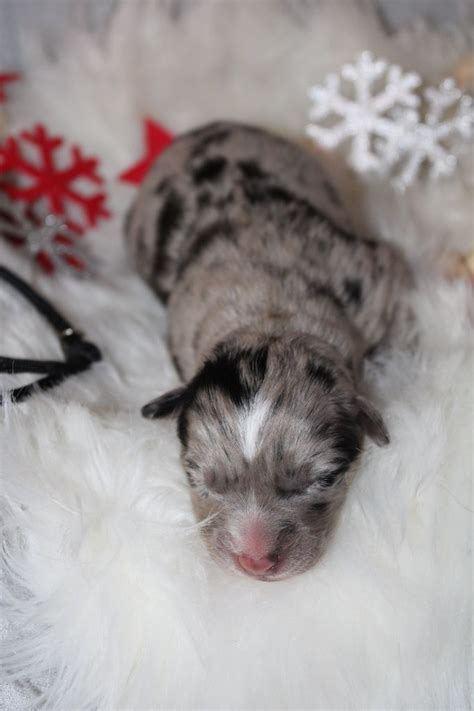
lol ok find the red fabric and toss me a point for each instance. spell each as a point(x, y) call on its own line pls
point(156, 138)
point(4, 80)
point(42, 179)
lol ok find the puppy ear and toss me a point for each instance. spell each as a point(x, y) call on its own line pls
point(371, 421)
point(168, 404)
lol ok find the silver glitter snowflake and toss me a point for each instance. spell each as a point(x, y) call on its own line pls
point(435, 141)
point(392, 130)
point(46, 238)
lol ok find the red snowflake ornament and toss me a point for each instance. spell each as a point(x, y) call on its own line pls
point(157, 138)
point(59, 189)
point(4, 80)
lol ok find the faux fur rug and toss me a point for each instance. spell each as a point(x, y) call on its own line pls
point(110, 600)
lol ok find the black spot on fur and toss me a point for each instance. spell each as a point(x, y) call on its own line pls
point(162, 186)
point(323, 375)
point(238, 374)
point(251, 169)
point(353, 291)
point(223, 373)
point(170, 217)
point(370, 243)
point(275, 192)
point(161, 293)
point(263, 193)
point(257, 361)
point(254, 193)
point(347, 445)
point(211, 170)
point(319, 291)
point(204, 199)
point(220, 228)
point(183, 428)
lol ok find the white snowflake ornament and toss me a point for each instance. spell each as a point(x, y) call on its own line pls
point(436, 142)
point(393, 131)
point(376, 88)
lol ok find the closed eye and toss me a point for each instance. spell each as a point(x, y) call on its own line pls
point(330, 477)
point(319, 507)
point(196, 484)
point(217, 484)
point(191, 480)
point(324, 480)
point(295, 482)
point(288, 493)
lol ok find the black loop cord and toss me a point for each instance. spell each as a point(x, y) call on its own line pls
point(79, 354)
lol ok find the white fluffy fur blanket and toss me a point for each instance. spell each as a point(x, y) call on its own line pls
point(110, 600)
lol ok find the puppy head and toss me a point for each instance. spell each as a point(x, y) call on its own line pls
point(271, 433)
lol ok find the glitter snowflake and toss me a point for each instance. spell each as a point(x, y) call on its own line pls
point(392, 131)
point(435, 142)
point(45, 237)
point(32, 173)
point(376, 89)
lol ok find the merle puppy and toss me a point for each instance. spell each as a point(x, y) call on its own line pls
point(273, 303)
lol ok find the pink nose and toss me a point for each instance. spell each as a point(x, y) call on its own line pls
point(255, 567)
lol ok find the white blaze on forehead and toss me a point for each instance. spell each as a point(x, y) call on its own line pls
point(251, 421)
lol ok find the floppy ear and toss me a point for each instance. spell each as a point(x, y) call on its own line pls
point(371, 421)
point(168, 404)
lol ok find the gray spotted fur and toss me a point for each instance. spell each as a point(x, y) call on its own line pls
point(270, 296)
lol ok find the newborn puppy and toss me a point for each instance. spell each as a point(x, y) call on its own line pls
point(273, 304)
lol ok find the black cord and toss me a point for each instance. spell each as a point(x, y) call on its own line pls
point(44, 307)
point(79, 354)
point(14, 366)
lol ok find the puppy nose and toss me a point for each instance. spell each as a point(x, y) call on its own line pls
point(255, 567)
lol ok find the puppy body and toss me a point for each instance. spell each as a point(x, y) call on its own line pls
point(273, 303)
